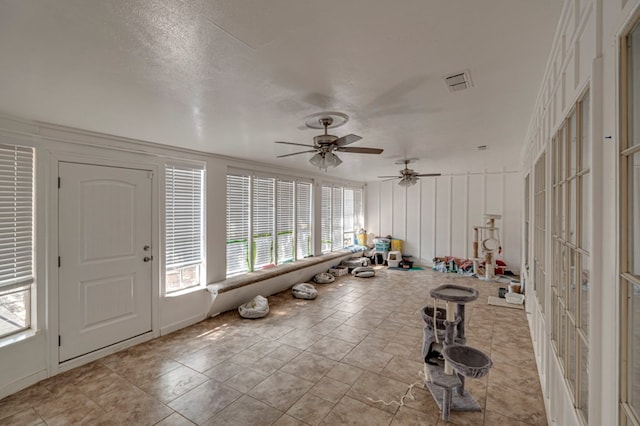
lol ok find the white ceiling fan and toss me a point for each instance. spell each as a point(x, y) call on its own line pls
point(325, 145)
point(408, 176)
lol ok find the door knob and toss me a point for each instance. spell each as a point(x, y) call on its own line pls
point(146, 248)
point(147, 258)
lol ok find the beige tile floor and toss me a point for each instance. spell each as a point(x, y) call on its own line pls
point(318, 362)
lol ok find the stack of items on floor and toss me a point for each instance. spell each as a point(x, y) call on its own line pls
point(463, 266)
point(385, 248)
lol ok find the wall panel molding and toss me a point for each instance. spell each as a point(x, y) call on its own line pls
point(437, 214)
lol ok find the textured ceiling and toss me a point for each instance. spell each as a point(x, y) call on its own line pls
point(232, 76)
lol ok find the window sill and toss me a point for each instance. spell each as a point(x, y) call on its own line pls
point(185, 291)
point(242, 280)
point(18, 337)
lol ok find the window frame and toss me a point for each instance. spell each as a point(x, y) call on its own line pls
point(570, 339)
point(626, 278)
point(201, 263)
point(19, 279)
point(276, 211)
point(334, 239)
point(539, 229)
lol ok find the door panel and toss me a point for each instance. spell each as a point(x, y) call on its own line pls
point(104, 280)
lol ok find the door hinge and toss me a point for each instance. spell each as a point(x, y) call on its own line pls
point(59, 340)
point(58, 181)
point(59, 261)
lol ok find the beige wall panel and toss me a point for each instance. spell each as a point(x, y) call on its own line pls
point(399, 211)
point(386, 208)
point(427, 219)
point(413, 238)
point(459, 216)
point(372, 214)
point(443, 216)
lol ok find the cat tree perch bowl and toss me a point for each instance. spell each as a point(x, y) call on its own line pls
point(455, 293)
point(467, 361)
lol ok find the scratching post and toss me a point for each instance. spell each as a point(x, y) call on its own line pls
point(460, 361)
point(485, 238)
point(448, 340)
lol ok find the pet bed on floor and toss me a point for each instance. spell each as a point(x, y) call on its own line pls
point(304, 291)
point(258, 307)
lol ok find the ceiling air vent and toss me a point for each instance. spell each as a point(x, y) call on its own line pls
point(458, 81)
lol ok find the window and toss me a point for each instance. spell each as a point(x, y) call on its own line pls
point(184, 227)
point(303, 220)
point(237, 224)
point(262, 219)
point(630, 231)
point(571, 281)
point(348, 224)
point(326, 219)
point(337, 219)
point(539, 206)
point(527, 196)
point(16, 238)
point(285, 218)
point(269, 221)
point(342, 216)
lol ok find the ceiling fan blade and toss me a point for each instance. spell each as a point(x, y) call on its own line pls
point(295, 153)
point(297, 144)
point(394, 177)
point(359, 150)
point(346, 140)
point(429, 174)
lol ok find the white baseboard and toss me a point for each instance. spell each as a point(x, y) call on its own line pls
point(23, 383)
point(182, 324)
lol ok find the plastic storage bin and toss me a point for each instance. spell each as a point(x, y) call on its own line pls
point(515, 298)
point(382, 246)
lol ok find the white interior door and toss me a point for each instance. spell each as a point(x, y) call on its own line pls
point(105, 260)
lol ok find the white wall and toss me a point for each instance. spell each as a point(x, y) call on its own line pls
point(31, 356)
point(436, 216)
point(585, 55)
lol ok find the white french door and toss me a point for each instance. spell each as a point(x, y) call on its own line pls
point(105, 257)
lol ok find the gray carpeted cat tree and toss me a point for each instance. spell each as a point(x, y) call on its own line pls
point(444, 328)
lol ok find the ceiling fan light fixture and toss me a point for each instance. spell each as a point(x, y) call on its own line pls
point(332, 160)
point(407, 181)
point(325, 160)
point(317, 160)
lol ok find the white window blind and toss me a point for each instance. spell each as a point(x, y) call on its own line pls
point(358, 209)
point(184, 212)
point(326, 219)
point(303, 219)
point(337, 241)
point(285, 213)
point(349, 216)
point(269, 221)
point(263, 210)
point(238, 208)
point(16, 216)
point(341, 216)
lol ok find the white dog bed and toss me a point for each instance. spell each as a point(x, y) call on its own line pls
point(364, 272)
point(324, 278)
point(304, 291)
point(258, 307)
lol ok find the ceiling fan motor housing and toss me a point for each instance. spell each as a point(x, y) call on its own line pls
point(407, 172)
point(321, 140)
